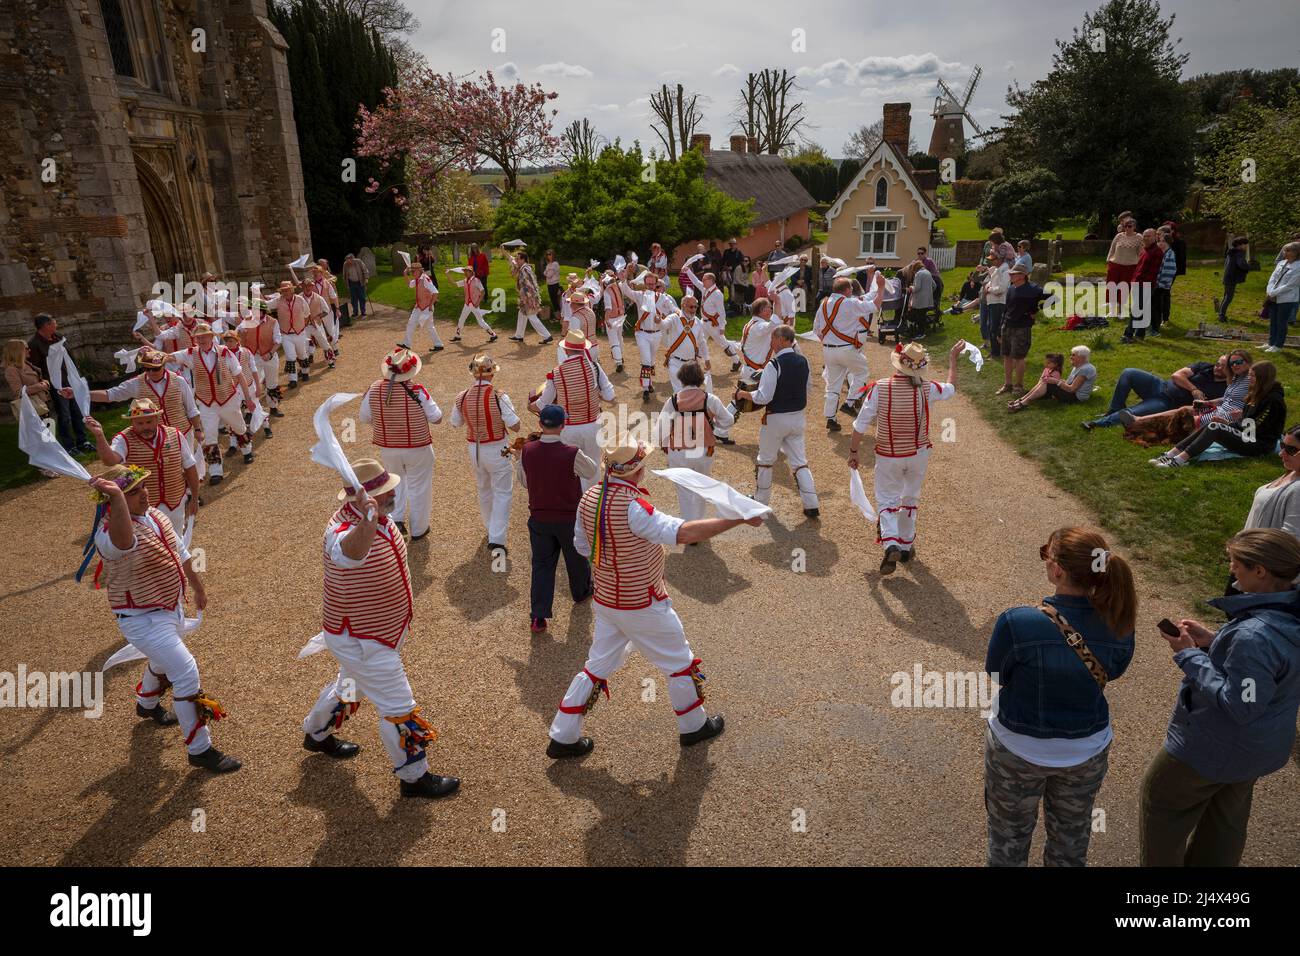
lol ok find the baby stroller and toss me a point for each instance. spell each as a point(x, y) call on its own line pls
point(895, 301)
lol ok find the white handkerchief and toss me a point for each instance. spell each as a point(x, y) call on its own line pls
point(258, 419)
point(43, 449)
point(595, 264)
point(694, 258)
point(837, 263)
point(126, 358)
point(785, 261)
point(406, 257)
point(141, 320)
point(809, 336)
point(619, 263)
point(314, 646)
point(301, 261)
point(858, 495)
point(729, 502)
point(976, 356)
point(513, 244)
point(55, 362)
point(192, 623)
point(327, 450)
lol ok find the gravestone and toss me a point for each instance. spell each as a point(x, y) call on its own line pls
point(1040, 273)
point(367, 255)
point(399, 266)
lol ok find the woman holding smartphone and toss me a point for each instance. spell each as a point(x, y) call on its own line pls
point(1049, 736)
point(1234, 718)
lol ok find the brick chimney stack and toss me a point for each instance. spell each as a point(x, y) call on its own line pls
point(898, 125)
point(701, 140)
point(753, 144)
point(738, 144)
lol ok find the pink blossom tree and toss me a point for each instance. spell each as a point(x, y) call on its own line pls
point(441, 122)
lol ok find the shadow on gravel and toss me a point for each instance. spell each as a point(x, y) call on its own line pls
point(50, 714)
point(475, 591)
point(136, 815)
point(819, 554)
point(552, 661)
point(699, 573)
point(355, 832)
point(912, 599)
point(642, 823)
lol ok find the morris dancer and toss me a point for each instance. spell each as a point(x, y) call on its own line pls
point(260, 334)
point(685, 339)
point(426, 297)
point(755, 353)
point(783, 393)
point(624, 536)
point(578, 385)
point(843, 323)
point(615, 313)
point(318, 325)
point(400, 414)
point(168, 390)
point(582, 319)
point(218, 378)
point(687, 427)
point(900, 406)
point(651, 303)
point(146, 568)
point(473, 299)
point(713, 310)
point(368, 608)
point(158, 449)
point(487, 414)
point(291, 315)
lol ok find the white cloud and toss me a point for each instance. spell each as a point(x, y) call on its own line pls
point(560, 68)
point(606, 108)
point(509, 70)
point(727, 69)
point(879, 70)
point(1009, 66)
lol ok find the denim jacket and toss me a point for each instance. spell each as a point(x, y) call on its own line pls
point(1234, 719)
point(1045, 689)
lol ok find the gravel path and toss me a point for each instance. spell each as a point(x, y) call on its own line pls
point(816, 766)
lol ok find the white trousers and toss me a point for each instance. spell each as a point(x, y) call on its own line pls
point(586, 437)
point(371, 670)
point(647, 343)
point(538, 326)
point(231, 414)
point(783, 433)
point(494, 474)
point(268, 369)
point(196, 450)
point(331, 327)
point(295, 350)
point(898, 493)
point(715, 332)
point(415, 467)
point(656, 632)
point(320, 339)
point(159, 636)
point(615, 333)
point(842, 363)
point(175, 515)
point(478, 314)
point(690, 505)
point(418, 318)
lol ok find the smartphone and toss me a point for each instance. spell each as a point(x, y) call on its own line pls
point(1168, 627)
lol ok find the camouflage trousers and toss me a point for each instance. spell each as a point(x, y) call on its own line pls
point(1014, 787)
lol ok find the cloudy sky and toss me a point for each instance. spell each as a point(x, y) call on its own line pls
point(605, 61)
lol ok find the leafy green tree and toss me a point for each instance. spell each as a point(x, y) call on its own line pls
point(1112, 119)
point(1024, 204)
point(1217, 93)
point(623, 200)
point(1253, 164)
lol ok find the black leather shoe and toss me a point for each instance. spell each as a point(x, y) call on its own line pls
point(267, 431)
point(832, 425)
point(431, 786)
point(712, 727)
point(618, 367)
point(890, 561)
point(214, 760)
point(160, 715)
point(417, 537)
point(248, 458)
point(812, 512)
point(548, 340)
point(215, 480)
point(401, 526)
point(293, 383)
point(276, 413)
point(340, 749)
point(557, 751)
point(735, 366)
point(907, 556)
point(725, 440)
point(231, 450)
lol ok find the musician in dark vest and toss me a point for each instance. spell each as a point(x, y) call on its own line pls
point(783, 394)
point(553, 471)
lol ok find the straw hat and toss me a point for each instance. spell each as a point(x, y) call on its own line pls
point(626, 458)
point(150, 358)
point(400, 365)
point(143, 408)
point(910, 359)
point(483, 364)
point(374, 478)
point(202, 328)
point(125, 477)
point(575, 341)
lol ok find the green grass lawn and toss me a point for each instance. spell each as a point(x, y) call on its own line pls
point(14, 470)
point(1176, 519)
point(961, 224)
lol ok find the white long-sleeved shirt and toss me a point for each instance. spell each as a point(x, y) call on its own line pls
point(132, 388)
point(767, 381)
point(713, 307)
point(684, 337)
point(655, 526)
point(852, 318)
point(648, 303)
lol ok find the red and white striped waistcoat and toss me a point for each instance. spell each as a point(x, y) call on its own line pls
point(423, 292)
point(692, 426)
point(902, 417)
point(181, 336)
point(630, 572)
point(291, 313)
point(586, 319)
point(246, 363)
point(613, 301)
point(371, 602)
point(481, 409)
point(260, 339)
point(576, 390)
point(171, 400)
point(215, 386)
point(162, 458)
point(473, 290)
point(397, 418)
point(150, 575)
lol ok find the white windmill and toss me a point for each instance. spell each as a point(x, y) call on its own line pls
point(949, 136)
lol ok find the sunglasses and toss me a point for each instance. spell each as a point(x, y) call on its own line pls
point(1289, 450)
point(1238, 361)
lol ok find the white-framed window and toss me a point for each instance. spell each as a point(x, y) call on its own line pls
point(882, 192)
point(879, 237)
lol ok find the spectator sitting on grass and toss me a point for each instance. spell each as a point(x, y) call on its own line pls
point(968, 295)
point(1261, 425)
point(1076, 388)
point(1173, 426)
point(1198, 381)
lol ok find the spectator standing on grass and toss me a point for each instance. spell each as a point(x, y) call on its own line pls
point(20, 373)
point(1076, 388)
point(1261, 424)
point(1023, 256)
point(742, 287)
point(993, 302)
point(758, 279)
point(1121, 263)
point(1197, 791)
point(1235, 269)
point(1162, 292)
point(1023, 300)
point(551, 276)
point(1283, 296)
point(1178, 244)
point(732, 258)
point(356, 274)
point(478, 261)
point(68, 424)
point(1196, 382)
point(1048, 738)
point(1142, 283)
